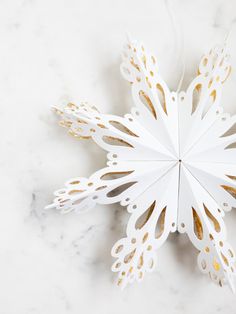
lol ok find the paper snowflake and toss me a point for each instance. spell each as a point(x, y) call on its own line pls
point(171, 161)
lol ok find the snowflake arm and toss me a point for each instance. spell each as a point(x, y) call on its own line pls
point(125, 136)
point(153, 217)
point(127, 142)
point(202, 219)
point(155, 105)
point(199, 106)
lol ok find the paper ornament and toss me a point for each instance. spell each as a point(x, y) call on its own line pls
point(171, 161)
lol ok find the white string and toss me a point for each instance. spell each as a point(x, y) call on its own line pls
point(179, 33)
point(128, 37)
point(177, 28)
point(228, 33)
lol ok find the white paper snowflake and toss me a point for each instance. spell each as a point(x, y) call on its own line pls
point(171, 161)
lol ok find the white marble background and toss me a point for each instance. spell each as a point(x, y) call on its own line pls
point(55, 51)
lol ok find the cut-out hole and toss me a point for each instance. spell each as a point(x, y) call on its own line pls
point(120, 189)
point(64, 201)
point(134, 64)
point(75, 182)
point(102, 126)
point(115, 175)
point(145, 237)
point(228, 71)
point(150, 263)
point(75, 192)
point(230, 190)
point(205, 61)
point(67, 124)
point(225, 259)
point(119, 249)
point(153, 59)
point(231, 146)
point(212, 219)
point(216, 264)
point(142, 220)
point(140, 262)
point(119, 282)
point(115, 141)
point(231, 177)
point(160, 224)
point(230, 131)
point(101, 188)
point(80, 121)
point(148, 83)
point(210, 83)
point(196, 97)
point(161, 96)
point(129, 256)
point(210, 101)
point(198, 230)
point(146, 101)
point(119, 126)
point(144, 61)
point(203, 264)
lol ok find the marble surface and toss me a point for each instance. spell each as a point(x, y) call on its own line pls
point(52, 52)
